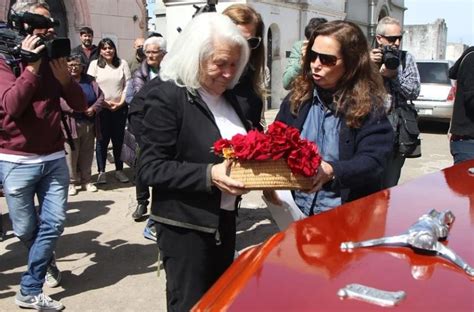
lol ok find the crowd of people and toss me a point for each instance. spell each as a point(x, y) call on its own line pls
point(177, 104)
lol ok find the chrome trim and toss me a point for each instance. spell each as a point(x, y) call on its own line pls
point(423, 235)
point(371, 295)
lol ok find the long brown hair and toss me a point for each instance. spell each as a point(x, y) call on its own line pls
point(242, 14)
point(360, 90)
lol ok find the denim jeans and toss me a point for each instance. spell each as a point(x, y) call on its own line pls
point(462, 150)
point(39, 229)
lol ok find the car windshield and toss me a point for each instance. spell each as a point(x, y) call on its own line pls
point(433, 72)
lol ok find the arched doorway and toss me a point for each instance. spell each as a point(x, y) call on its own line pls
point(274, 67)
point(268, 70)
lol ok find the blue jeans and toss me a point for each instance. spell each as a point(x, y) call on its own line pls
point(462, 150)
point(39, 229)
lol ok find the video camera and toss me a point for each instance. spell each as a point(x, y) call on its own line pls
point(14, 32)
point(209, 7)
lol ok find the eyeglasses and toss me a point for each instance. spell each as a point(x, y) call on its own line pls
point(325, 59)
point(73, 65)
point(160, 52)
point(254, 42)
point(393, 39)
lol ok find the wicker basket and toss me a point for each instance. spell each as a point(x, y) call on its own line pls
point(273, 174)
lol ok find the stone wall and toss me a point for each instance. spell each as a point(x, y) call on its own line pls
point(426, 42)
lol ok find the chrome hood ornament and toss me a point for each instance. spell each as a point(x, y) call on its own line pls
point(424, 235)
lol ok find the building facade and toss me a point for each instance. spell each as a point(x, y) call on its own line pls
point(120, 20)
point(428, 41)
point(284, 24)
point(455, 50)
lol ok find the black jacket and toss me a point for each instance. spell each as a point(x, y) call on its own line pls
point(250, 102)
point(462, 123)
point(178, 133)
point(363, 152)
point(80, 51)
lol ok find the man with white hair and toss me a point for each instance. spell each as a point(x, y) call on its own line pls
point(401, 80)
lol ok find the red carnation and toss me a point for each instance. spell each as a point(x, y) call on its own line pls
point(219, 146)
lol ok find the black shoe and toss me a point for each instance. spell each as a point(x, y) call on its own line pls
point(139, 212)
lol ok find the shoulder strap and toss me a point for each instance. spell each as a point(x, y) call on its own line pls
point(13, 63)
point(403, 58)
point(462, 61)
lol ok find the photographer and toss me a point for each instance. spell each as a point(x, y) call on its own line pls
point(32, 157)
point(401, 80)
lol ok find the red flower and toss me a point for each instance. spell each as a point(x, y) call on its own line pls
point(280, 141)
point(304, 160)
point(219, 146)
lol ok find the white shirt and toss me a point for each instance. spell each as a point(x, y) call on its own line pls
point(229, 124)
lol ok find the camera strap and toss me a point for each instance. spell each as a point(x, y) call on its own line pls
point(14, 63)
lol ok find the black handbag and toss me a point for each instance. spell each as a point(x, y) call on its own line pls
point(409, 143)
point(129, 149)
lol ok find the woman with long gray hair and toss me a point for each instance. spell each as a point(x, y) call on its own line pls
point(194, 201)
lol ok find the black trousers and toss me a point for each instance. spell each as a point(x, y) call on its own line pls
point(112, 127)
point(142, 191)
point(193, 261)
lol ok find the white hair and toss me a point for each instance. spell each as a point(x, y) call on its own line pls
point(195, 44)
point(29, 6)
point(382, 24)
point(158, 41)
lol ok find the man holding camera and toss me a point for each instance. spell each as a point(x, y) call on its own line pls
point(32, 157)
point(401, 80)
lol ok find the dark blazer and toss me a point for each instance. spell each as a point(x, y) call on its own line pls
point(250, 102)
point(363, 152)
point(87, 60)
point(178, 133)
point(462, 123)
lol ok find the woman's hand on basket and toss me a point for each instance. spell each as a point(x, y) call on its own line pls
point(220, 178)
point(324, 175)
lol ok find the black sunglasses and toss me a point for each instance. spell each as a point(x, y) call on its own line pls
point(325, 59)
point(393, 39)
point(254, 42)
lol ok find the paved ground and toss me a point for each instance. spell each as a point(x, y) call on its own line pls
point(108, 265)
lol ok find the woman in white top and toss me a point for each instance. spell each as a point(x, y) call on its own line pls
point(113, 75)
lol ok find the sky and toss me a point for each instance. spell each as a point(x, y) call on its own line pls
point(458, 15)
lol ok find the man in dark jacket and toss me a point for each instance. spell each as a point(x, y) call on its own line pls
point(86, 49)
point(462, 122)
point(32, 158)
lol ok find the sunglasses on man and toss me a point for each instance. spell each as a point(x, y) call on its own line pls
point(392, 39)
point(325, 59)
point(254, 42)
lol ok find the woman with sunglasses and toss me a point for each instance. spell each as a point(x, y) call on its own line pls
point(338, 103)
point(113, 76)
point(251, 86)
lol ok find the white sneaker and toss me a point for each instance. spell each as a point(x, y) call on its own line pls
point(119, 175)
point(39, 302)
point(72, 190)
point(89, 187)
point(101, 178)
